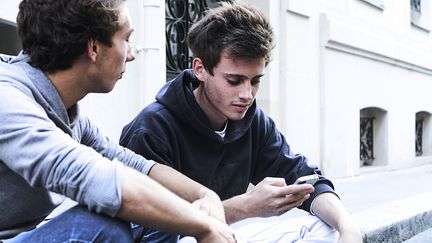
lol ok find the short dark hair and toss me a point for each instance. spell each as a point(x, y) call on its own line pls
point(54, 33)
point(243, 31)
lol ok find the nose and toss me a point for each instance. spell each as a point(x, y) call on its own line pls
point(246, 91)
point(130, 55)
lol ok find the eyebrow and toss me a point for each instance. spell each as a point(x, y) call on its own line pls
point(239, 76)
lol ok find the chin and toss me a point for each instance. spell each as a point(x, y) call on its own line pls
point(105, 89)
point(236, 117)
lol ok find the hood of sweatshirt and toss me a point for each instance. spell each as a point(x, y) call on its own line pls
point(177, 96)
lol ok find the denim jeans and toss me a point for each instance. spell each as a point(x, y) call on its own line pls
point(79, 225)
point(146, 235)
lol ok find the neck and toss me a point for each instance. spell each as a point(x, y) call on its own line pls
point(217, 119)
point(67, 84)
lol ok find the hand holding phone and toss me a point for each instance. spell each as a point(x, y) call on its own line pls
point(309, 179)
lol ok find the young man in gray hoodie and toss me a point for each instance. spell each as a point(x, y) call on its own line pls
point(71, 49)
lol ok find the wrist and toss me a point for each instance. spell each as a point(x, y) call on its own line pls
point(205, 229)
point(237, 208)
point(348, 225)
point(204, 192)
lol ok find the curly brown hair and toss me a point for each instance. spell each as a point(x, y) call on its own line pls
point(54, 33)
point(243, 31)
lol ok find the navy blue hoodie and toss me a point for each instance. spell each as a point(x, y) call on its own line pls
point(175, 131)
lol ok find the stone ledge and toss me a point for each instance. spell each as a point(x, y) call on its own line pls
point(396, 221)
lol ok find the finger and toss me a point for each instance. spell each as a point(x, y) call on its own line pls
point(297, 197)
point(295, 189)
point(292, 189)
point(274, 181)
point(288, 205)
point(218, 215)
point(293, 198)
point(205, 208)
point(196, 204)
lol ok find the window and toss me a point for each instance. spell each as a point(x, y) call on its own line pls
point(419, 136)
point(366, 140)
point(179, 16)
point(421, 14)
point(376, 3)
point(423, 141)
point(373, 137)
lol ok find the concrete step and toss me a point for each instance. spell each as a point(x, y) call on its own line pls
point(396, 221)
point(389, 206)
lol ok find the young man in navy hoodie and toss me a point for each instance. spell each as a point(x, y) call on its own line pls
point(206, 124)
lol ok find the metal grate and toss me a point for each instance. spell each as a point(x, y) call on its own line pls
point(416, 5)
point(179, 16)
point(419, 137)
point(366, 140)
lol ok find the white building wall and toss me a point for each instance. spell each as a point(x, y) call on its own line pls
point(372, 58)
point(336, 57)
point(9, 10)
point(144, 76)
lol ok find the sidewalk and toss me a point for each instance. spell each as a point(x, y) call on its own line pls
point(390, 206)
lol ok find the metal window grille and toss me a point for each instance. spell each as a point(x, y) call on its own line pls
point(416, 5)
point(366, 140)
point(419, 137)
point(180, 15)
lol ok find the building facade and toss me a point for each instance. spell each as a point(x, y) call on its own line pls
point(349, 83)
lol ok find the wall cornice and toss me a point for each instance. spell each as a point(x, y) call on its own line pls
point(355, 40)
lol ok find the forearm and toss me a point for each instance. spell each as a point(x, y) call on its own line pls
point(235, 209)
point(270, 197)
point(147, 203)
point(180, 184)
point(330, 210)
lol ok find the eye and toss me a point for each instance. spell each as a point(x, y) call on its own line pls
point(255, 81)
point(234, 82)
point(127, 38)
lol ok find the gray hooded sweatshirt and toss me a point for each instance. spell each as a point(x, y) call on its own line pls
point(45, 148)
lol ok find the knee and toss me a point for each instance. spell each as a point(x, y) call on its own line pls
point(143, 234)
point(79, 225)
point(103, 228)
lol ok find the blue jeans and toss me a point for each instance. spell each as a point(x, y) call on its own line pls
point(79, 225)
point(145, 235)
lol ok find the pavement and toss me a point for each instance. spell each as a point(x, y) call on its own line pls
point(389, 206)
point(423, 237)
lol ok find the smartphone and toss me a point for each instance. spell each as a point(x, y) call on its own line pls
point(309, 179)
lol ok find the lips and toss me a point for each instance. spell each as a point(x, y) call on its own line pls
point(121, 75)
point(241, 107)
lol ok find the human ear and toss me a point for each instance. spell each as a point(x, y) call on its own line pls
point(198, 69)
point(92, 50)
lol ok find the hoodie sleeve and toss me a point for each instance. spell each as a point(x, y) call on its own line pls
point(144, 141)
point(275, 158)
point(32, 146)
point(93, 138)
